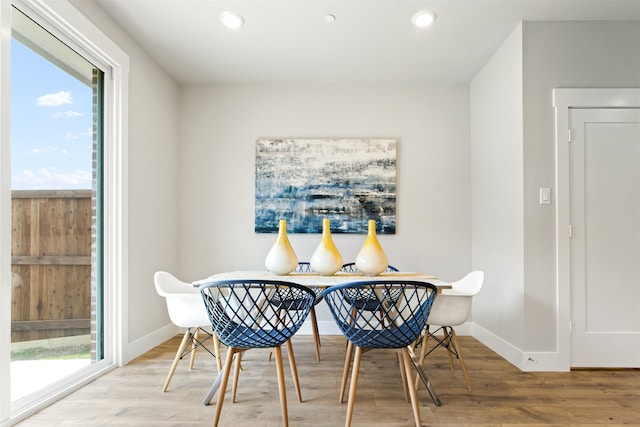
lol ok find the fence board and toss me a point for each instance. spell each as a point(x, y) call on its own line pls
point(51, 263)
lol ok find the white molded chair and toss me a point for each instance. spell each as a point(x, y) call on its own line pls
point(186, 310)
point(452, 308)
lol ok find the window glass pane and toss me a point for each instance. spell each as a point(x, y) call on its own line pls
point(55, 247)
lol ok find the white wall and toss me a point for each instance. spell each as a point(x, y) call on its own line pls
point(218, 129)
point(152, 186)
point(194, 216)
point(496, 196)
point(512, 156)
point(560, 54)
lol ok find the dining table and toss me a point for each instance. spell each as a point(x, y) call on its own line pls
point(313, 279)
point(323, 281)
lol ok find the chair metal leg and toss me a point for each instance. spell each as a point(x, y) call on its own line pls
point(423, 375)
point(212, 390)
point(183, 344)
point(294, 369)
point(316, 333)
point(281, 386)
point(354, 386)
point(223, 384)
point(345, 371)
point(459, 352)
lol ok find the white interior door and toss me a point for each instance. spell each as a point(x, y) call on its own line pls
point(605, 237)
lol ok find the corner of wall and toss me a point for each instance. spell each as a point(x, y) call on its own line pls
point(148, 342)
point(497, 206)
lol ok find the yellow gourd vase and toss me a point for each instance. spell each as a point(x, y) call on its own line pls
point(371, 260)
point(281, 259)
point(326, 259)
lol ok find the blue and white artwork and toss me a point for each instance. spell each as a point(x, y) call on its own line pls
point(349, 181)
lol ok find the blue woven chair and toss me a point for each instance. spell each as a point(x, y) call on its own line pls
point(244, 317)
point(381, 315)
point(349, 295)
point(305, 267)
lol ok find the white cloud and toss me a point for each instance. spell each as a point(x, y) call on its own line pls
point(44, 150)
point(47, 178)
point(55, 99)
point(68, 113)
point(78, 135)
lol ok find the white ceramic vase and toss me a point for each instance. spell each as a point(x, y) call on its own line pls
point(281, 259)
point(371, 260)
point(326, 259)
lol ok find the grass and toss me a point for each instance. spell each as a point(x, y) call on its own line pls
point(55, 353)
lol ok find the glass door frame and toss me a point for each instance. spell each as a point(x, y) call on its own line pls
point(65, 22)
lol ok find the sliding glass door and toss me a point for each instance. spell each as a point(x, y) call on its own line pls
point(56, 215)
point(63, 216)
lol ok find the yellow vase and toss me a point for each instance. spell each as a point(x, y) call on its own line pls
point(281, 259)
point(326, 259)
point(371, 260)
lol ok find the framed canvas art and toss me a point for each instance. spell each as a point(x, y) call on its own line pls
point(349, 181)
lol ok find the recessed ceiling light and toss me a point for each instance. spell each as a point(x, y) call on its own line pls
point(424, 18)
point(232, 19)
point(329, 18)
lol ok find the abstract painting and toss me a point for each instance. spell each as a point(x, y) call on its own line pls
point(349, 181)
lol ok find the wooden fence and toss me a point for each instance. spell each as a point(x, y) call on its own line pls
point(51, 264)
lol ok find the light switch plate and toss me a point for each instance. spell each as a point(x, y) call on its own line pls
point(545, 196)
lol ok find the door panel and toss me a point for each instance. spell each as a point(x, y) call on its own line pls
point(605, 243)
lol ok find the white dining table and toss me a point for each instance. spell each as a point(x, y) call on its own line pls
point(338, 278)
point(315, 279)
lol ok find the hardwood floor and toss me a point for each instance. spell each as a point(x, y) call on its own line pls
point(501, 396)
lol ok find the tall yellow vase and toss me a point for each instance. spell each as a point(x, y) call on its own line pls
point(326, 259)
point(371, 260)
point(281, 259)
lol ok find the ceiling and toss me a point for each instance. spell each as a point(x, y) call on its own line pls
point(370, 42)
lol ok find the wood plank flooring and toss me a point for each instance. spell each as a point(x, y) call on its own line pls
point(502, 395)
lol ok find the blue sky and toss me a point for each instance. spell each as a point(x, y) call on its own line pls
point(51, 119)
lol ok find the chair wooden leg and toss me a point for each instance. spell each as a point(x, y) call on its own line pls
point(405, 359)
point(423, 353)
point(447, 341)
point(345, 371)
point(236, 376)
point(194, 346)
point(459, 351)
point(294, 369)
point(316, 333)
point(404, 374)
point(281, 386)
point(354, 386)
point(223, 384)
point(216, 351)
point(174, 365)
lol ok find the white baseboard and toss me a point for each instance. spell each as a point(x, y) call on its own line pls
point(329, 327)
point(147, 342)
point(325, 327)
point(543, 362)
point(505, 349)
point(525, 361)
